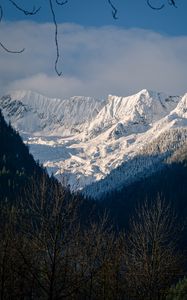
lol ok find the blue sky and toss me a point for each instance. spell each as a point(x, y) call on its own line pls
point(131, 13)
point(144, 48)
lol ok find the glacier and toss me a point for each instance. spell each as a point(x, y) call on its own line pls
point(98, 145)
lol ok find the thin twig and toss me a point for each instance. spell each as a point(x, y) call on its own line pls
point(56, 38)
point(26, 12)
point(114, 10)
point(153, 7)
point(170, 2)
point(61, 2)
point(11, 51)
point(1, 13)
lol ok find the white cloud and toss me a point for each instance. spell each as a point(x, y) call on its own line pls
point(94, 61)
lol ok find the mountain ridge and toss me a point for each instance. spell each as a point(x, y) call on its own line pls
point(49, 114)
point(82, 140)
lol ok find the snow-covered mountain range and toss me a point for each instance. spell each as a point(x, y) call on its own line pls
point(99, 145)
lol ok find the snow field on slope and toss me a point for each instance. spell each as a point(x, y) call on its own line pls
point(82, 140)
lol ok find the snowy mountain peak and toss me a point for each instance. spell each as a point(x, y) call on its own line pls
point(136, 112)
point(181, 109)
point(38, 114)
point(84, 140)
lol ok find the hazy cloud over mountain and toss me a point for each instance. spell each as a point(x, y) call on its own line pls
point(94, 61)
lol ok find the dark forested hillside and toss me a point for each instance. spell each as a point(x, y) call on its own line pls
point(16, 163)
point(21, 176)
point(47, 252)
point(170, 184)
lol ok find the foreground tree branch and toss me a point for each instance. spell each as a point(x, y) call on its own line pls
point(152, 257)
point(52, 4)
point(56, 33)
point(170, 2)
point(114, 9)
point(34, 11)
point(11, 51)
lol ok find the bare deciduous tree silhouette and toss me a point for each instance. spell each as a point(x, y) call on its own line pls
point(152, 257)
point(46, 254)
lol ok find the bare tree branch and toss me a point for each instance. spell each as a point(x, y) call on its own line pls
point(35, 10)
point(114, 10)
point(1, 13)
point(61, 2)
point(56, 38)
point(26, 12)
point(170, 2)
point(11, 51)
point(153, 7)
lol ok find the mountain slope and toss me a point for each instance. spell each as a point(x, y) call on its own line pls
point(168, 183)
point(95, 145)
point(33, 113)
point(135, 113)
point(22, 180)
point(151, 158)
point(17, 165)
